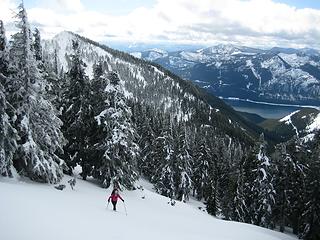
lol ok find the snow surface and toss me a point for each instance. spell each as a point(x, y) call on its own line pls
point(32, 211)
point(287, 119)
point(315, 125)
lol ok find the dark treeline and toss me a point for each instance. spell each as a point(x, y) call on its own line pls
point(53, 121)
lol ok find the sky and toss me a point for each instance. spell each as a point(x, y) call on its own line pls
point(255, 23)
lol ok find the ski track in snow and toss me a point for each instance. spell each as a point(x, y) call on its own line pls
point(39, 211)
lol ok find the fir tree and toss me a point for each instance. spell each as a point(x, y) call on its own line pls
point(163, 156)
point(38, 127)
point(8, 135)
point(263, 190)
point(240, 200)
point(183, 164)
point(37, 48)
point(201, 167)
point(4, 58)
point(77, 115)
point(297, 182)
point(311, 215)
point(255, 192)
point(142, 118)
point(120, 152)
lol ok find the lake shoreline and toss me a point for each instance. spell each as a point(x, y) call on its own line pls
point(270, 103)
point(264, 109)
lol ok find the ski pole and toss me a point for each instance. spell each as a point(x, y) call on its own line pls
point(125, 209)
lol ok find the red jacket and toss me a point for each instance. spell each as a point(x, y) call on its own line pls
point(114, 197)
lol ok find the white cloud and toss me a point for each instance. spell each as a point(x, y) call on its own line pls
point(71, 5)
point(247, 22)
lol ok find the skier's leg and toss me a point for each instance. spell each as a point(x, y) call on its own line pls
point(114, 205)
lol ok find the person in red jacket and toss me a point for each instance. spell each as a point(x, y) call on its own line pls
point(114, 198)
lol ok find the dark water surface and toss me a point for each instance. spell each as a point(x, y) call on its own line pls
point(265, 110)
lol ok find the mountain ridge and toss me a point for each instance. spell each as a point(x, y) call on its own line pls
point(94, 51)
point(280, 75)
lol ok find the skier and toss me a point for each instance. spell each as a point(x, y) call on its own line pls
point(114, 198)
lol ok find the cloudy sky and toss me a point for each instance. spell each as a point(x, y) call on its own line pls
point(260, 23)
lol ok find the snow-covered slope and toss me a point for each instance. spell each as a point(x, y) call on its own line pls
point(149, 84)
point(31, 211)
point(301, 123)
point(315, 124)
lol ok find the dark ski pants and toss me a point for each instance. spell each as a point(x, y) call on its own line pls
point(114, 203)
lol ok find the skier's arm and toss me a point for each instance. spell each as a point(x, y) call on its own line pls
point(109, 198)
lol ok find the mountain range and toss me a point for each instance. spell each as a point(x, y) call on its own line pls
point(278, 75)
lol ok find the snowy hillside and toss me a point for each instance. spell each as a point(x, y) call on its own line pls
point(288, 75)
point(147, 83)
point(42, 212)
point(301, 123)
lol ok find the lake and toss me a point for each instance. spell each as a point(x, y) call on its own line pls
point(265, 110)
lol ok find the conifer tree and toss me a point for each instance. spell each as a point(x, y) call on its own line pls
point(120, 151)
point(183, 164)
point(4, 58)
point(297, 182)
point(164, 160)
point(36, 122)
point(201, 166)
point(310, 224)
point(37, 48)
point(255, 192)
point(8, 135)
point(262, 189)
point(77, 115)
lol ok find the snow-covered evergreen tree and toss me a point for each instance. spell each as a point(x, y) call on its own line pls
point(8, 135)
point(311, 215)
point(255, 191)
point(120, 151)
point(183, 164)
point(289, 175)
point(284, 166)
point(201, 166)
point(37, 48)
point(262, 188)
point(36, 121)
point(146, 134)
point(77, 115)
point(4, 58)
point(241, 212)
point(164, 160)
point(296, 173)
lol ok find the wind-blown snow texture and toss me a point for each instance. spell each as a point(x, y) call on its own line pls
point(42, 212)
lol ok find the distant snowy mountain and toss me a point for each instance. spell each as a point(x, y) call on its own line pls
point(276, 75)
point(151, 55)
point(42, 212)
